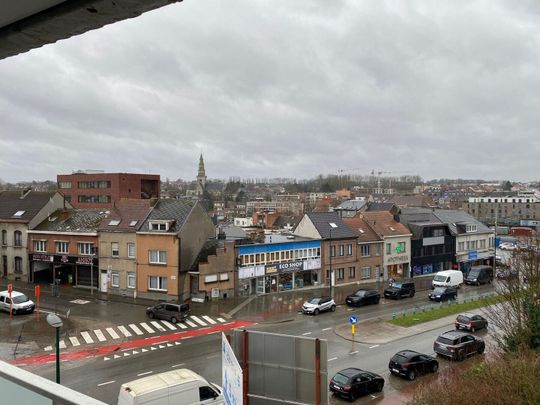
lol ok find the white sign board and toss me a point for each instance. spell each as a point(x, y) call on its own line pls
point(232, 374)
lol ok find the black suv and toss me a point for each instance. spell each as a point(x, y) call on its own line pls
point(354, 382)
point(399, 290)
point(458, 345)
point(409, 363)
point(443, 294)
point(168, 312)
point(363, 297)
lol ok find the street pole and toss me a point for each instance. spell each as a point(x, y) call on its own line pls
point(58, 355)
point(92, 276)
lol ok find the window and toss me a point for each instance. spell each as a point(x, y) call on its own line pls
point(115, 279)
point(341, 250)
point(157, 256)
point(468, 245)
point(473, 244)
point(366, 272)
point(461, 246)
point(364, 249)
point(62, 247)
point(482, 244)
point(471, 228)
point(114, 222)
point(340, 274)
point(157, 283)
point(206, 393)
point(86, 248)
point(332, 251)
point(18, 238)
point(4, 237)
point(64, 184)
point(388, 248)
point(349, 249)
point(130, 279)
point(131, 250)
point(159, 226)
point(114, 249)
point(18, 264)
point(40, 245)
point(438, 232)
point(352, 272)
point(94, 184)
point(400, 248)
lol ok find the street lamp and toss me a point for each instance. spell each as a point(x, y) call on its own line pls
point(55, 321)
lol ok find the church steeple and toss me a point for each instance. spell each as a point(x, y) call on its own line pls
point(201, 177)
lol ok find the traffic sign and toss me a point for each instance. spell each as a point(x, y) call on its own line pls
point(353, 320)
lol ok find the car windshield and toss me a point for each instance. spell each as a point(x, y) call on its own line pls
point(439, 277)
point(463, 319)
point(314, 301)
point(341, 379)
point(439, 290)
point(474, 273)
point(360, 293)
point(396, 284)
point(19, 299)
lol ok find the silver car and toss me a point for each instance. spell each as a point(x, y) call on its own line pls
point(318, 304)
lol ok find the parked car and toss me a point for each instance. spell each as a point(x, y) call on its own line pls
point(506, 274)
point(471, 322)
point(19, 302)
point(169, 312)
point(363, 297)
point(443, 294)
point(399, 290)
point(410, 364)
point(479, 275)
point(458, 345)
point(448, 278)
point(352, 383)
point(318, 304)
point(507, 246)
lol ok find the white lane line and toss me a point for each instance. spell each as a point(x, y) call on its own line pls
point(356, 351)
point(62, 344)
point(135, 329)
point(169, 325)
point(141, 374)
point(179, 365)
point(74, 341)
point(221, 320)
point(158, 326)
point(350, 309)
point(101, 337)
point(209, 320)
point(105, 383)
point(181, 325)
point(113, 333)
point(332, 359)
point(325, 329)
point(213, 356)
point(124, 331)
point(198, 320)
point(373, 347)
point(87, 338)
point(307, 333)
point(191, 323)
point(148, 328)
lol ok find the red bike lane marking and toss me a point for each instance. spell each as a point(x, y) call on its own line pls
point(131, 344)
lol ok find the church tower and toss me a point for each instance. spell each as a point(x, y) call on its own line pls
point(201, 178)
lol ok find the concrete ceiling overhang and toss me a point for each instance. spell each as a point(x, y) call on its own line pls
point(29, 24)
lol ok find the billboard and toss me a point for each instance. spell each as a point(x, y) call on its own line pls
point(232, 374)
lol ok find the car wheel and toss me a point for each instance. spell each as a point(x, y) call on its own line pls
point(460, 356)
point(434, 367)
point(14, 312)
point(481, 349)
point(333, 308)
point(379, 386)
point(411, 294)
point(174, 320)
point(316, 312)
point(411, 375)
point(151, 315)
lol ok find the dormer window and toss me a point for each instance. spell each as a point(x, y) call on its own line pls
point(471, 228)
point(160, 225)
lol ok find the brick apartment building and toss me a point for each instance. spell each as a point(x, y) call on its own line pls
point(96, 189)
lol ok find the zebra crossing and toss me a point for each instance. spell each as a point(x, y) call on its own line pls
point(135, 330)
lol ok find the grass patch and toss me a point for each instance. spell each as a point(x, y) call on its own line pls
point(435, 311)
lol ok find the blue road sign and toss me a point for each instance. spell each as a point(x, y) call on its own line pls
point(353, 320)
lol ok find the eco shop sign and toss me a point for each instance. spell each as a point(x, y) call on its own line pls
point(285, 267)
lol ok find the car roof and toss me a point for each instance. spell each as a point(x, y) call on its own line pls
point(320, 296)
point(408, 353)
point(13, 293)
point(467, 314)
point(454, 334)
point(349, 372)
point(365, 289)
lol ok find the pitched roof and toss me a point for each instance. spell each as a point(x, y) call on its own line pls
point(378, 206)
point(127, 215)
point(354, 205)
point(322, 221)
point(412, 200)
point(454, 218)
point(73, 220)
point(170, 210)
point(384, 224)
point(416, 219)
point(26, 203)
point(362, 229)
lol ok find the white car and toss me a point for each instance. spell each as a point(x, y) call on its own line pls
point(507, 246)
point(318, 304)
point(19, 302)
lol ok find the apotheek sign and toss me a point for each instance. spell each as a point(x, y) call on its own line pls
point(284, 267)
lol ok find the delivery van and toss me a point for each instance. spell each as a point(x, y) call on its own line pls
point(448, 278)
point(479, 275)
point(180, 386)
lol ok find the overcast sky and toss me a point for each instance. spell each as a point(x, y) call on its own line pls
point(283, 88)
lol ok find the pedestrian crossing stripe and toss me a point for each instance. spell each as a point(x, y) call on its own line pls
point(196, 319)
point(169, 325)
point(221, 320)
point(147, 327)
point(113, 333)
point(62, 344)
point(124, 331)
point(136, 329)
point(182, 325)
point(87, 338)
point(191, 323)
point(209, 320)
point(101, 337)
point(158, 326)
point(74, 341)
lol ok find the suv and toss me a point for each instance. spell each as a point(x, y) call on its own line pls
point(168, 312)
point(469, 321)
point(458, 345)
point(443, 294)
point(409, 364)
point(399, 290)
point(19, 302)
point(363, 297)
point(318, 304)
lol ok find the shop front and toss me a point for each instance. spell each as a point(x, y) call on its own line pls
point(397, 267)
point(474, 258)
point(78, 271)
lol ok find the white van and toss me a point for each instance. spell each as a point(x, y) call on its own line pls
point(448, 278)
point(180, 386)
point(19, 302)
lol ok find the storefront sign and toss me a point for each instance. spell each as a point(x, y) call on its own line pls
point(398, 259)
point(291, 266)
point(84, 260)
point(473, 255)
point(42, 257)
point(250, 272)
point(312, 264)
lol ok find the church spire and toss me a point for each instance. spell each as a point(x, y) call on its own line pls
point(201, 177)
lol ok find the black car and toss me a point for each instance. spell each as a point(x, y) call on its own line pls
point(443, 294)
point(410, 364)
point(399, 290)
point(470, 321)
point(458, 345)
point(168, 312)
point(352, 383)
point(363, 297)
point(479, 275)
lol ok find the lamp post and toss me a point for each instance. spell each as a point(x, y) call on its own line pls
point(55, 321)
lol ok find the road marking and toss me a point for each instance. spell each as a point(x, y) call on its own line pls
point(182, 325)
point(117, 356)
point(209, 320)
point(213, 356)
point(325, 329)
point(87, 338)
point(158, 326)
point(100, 335)
point(127, 354)
point(105, 383)
point(148, 372)
point(177, 343)
point(62, 344)
point(221, 320)
point(144, 350)
point(161, 346)
point(179, 365)
point(106, 358)
point(134, 352)
point(199, 321)
point(148, 328)
point(48, 348)
point(169, 325)
point(373, 347)
point(191, 323)
point(113, 333)
point(350, 309)
point(307, 333)
point(332, 359)
point(153, 348)
point(124, 330)
point(356, 351)
point(136, 329)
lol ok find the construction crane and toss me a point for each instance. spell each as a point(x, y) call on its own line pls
point(373, 172)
